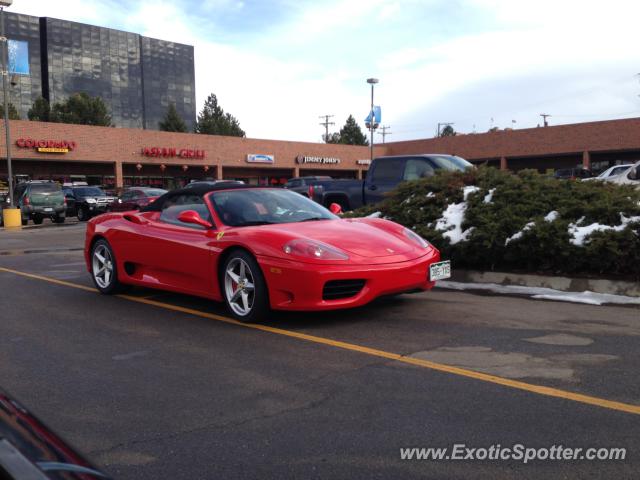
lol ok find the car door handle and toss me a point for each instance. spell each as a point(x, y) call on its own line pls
point(372, 187)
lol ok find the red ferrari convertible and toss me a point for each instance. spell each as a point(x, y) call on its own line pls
point(257, 249)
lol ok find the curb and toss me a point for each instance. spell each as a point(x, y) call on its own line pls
point(565, 284)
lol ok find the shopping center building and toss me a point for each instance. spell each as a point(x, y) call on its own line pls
point(120, 157)
point(117, 157)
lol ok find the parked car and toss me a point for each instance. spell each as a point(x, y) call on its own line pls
point(38, 199)
point(86, 202)
point(578, 173)
point(31, 450)
point(258, 248)
point(383, 176)
point(301, 184)
point(4, 201)
point(630, 177)
point(609, 173)
point(135, 198)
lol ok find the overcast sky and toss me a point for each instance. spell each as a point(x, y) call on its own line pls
point(278, 65)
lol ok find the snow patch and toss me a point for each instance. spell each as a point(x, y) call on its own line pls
point(408, 199)
point(488, 198)
point(518, 235)
point(551, 216)
point(375, 215)
point(451, 221)
point(430, 195)
point(579, 235)
point(468, 190)
point(588, 297)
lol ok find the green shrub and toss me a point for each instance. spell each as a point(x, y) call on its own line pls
point(546, 246)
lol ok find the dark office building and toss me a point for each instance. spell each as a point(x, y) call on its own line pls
point(137, 77)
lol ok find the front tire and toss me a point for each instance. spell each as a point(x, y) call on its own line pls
point(58, 219)
point(104, 272)
point(244, 288)
point(83, 215)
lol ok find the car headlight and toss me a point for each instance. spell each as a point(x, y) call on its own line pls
point(314, 249)
point(415, 238)
point(91, 200)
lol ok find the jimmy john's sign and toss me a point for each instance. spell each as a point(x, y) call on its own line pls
point(304, 159)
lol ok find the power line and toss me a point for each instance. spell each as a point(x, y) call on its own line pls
point(326, 124)
point(384, 132)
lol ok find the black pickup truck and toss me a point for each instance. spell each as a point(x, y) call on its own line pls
point(85, 202)
point(383, 176)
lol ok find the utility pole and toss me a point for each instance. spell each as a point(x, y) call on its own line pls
point(372, 123)
point(5, 92)
point(384, 132)
point(544, 118)
point(443, 124)
point(326, 124)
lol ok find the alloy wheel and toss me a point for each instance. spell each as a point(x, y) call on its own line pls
point(239, 287)
point(102, 266)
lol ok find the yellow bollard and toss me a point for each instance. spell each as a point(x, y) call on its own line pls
point(12, 218)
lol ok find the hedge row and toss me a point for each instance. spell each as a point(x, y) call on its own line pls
point(509, 224)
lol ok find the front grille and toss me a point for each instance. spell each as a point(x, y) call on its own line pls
point(336, 289)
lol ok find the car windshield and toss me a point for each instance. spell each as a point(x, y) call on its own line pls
point(619, 170)
point(154, 192)
point(259, 206)
point(89, 191)
point(44, 187)
point(451, 162)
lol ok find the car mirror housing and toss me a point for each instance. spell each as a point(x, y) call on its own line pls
point(335, 208)
point(191, 216)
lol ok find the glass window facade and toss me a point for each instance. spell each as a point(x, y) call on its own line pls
point(168, 77)
point(24, 89)
point(137, 77)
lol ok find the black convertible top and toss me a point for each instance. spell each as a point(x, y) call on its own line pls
point(198, 190)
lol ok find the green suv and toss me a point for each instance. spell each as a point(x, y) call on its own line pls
point(39, 199)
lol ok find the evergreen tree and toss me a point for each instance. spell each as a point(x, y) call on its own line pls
point(172, 121)
point(351, 134)
point(80, 108)
point(40, 111)
point(13, 113)
point(332, 138)
point(213, 121)
point(448, 131)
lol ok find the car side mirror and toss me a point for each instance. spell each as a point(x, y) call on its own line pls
point(634, 173)
point(191, 216)
point(335, 208)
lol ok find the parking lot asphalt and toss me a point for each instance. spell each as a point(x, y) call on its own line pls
point(157, 385)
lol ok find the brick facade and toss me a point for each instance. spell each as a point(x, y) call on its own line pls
point(118, 152)
point(122, 149)
point(575, 143)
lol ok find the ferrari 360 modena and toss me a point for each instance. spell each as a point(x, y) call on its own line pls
point(257, 249)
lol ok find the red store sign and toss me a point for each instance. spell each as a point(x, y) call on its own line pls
point(38, 144)
point(172, 152)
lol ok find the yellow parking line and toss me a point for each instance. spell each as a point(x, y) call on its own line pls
point(485, 377)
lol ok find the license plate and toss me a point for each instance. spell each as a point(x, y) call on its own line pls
point(440, 270)
point(48, 209)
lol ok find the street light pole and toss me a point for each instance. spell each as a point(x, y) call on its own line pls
point(372, 82)
point(5, 93)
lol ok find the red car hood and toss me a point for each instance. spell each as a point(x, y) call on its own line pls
point(354, 237)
